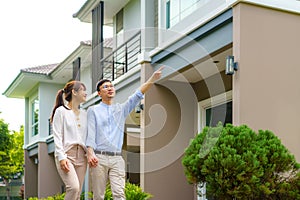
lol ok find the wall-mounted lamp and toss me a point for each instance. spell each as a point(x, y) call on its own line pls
point(36, 161)
point(231, 66)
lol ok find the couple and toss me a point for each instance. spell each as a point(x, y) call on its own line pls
point(94, 137)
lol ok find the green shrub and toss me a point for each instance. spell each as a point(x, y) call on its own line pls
point(237, 163)
point(59, 197)
point(56, 197)
point(132, 192)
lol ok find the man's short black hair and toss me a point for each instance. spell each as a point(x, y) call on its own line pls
point(101, 83)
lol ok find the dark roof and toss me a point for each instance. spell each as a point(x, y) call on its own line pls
point(87, 42)
point(47, 69)
point(42, 69)
point(107, 43)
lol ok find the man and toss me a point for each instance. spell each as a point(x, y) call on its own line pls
point(106, 123)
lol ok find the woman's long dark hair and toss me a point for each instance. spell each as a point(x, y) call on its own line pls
point(66, 92)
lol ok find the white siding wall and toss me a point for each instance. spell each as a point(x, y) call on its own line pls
point(47, 94)
point(86, 78)
point(132, 19)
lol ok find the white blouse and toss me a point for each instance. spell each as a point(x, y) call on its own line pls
point(68, 130)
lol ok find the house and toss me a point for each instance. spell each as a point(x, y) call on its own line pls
point(199, 42)
point(38, 86)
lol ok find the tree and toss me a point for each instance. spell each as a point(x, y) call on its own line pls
point(11, 153)
point(17, 153)
point(5, 147)
point(237, 163)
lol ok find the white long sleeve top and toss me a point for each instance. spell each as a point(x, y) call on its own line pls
point(68, 130)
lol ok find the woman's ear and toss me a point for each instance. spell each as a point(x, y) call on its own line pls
point(74, 92)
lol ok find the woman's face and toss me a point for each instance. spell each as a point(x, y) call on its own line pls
point(80, 95)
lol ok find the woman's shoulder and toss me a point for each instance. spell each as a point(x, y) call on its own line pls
point(62, 109)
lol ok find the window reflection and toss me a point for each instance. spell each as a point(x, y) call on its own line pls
point(176, 10)
point(35, 117)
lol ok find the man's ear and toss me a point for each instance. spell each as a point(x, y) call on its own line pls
point(99, 93)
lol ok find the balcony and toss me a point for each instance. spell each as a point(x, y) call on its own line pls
point(123, 59)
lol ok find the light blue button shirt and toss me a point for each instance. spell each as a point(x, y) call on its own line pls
point(106, 123)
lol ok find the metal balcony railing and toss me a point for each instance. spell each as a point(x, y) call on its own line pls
point(123, 59)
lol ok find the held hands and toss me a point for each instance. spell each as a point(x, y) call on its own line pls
point(91, 158)
point(64, 165)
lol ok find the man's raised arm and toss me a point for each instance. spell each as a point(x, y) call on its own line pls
point(154, 77)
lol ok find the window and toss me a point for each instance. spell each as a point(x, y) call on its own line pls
point(215, 109)
point(168, 10)
point(119, 19)
point(211, 111)
point(119, 28)
point(221, 113)
point(35, 117)
point(76, 69)
point(176, 10)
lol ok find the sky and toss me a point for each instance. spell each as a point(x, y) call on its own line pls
point(34, 33)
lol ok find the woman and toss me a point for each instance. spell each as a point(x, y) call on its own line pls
point(69, 125)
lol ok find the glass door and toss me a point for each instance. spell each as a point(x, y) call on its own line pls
point(210, 112)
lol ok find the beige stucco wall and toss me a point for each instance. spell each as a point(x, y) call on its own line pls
point(266, 89)
point(218, 83)
point(168, 122)
point(47, 173)
point(30, 176)
point(41, 178)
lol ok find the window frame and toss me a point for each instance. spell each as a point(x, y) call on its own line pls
point(34, 116)
point(209, 103)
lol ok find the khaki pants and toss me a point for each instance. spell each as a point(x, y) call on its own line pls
point(74, 179)
point(112, 168)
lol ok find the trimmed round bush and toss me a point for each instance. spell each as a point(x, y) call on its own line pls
point(235, 162)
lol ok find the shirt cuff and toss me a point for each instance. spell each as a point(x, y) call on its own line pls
point(62, 157)
point(140, 94)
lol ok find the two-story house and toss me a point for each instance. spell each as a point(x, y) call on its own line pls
point(233, 61)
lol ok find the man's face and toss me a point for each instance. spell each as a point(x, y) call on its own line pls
point(107, 90)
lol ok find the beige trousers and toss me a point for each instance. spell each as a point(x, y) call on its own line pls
point(110, 168)
point(74, 179)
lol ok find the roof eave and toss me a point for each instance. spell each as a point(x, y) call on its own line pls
point(16, 88)
point(83, 12)
point(83, 47)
